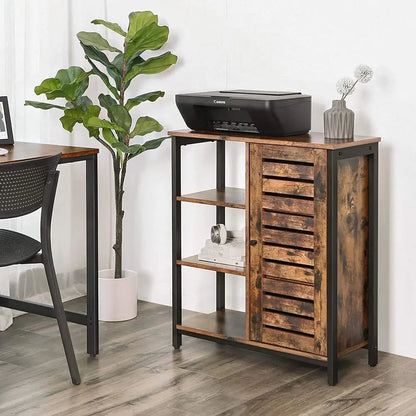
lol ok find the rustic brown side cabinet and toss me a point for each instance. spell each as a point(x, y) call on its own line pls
point(311, 247)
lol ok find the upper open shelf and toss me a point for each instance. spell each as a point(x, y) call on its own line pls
point(229, 197)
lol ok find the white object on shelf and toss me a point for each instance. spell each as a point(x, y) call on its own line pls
point(3, 152)
point(231, 253)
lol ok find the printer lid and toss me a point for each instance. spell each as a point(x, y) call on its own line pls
point(245, 95)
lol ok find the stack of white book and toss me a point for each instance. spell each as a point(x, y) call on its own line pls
point(231, 253)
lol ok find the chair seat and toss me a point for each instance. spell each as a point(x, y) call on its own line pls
point(16, 248)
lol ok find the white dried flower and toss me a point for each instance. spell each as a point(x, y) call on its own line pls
point(363, 73)
point(345, 86)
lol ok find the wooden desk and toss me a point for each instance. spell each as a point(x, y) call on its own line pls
point(24, 151)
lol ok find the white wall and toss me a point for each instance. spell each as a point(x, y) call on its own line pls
point(275, 45)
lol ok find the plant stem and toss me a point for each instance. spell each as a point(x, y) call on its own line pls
point(119, 220)
point(344, 96)
point(119, 175)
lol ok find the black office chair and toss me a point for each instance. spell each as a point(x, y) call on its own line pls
point(25, 187)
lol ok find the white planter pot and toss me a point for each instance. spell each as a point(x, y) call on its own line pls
point(117, 298)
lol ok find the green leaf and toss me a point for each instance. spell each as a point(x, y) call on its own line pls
point(47, 85)
point(145, 125)
point(150, 96)
point(133, 62)
point(71, 75)
point(98, 56)
point(71, 117)
point(137, 20)
point(120, 116)
point(154, 143)
point(106, 101)
point(83, 102)
point(96, 40)
point(132, 150)
point(104, 78)
point(149, 37)
point(68, 83)
point(43, 106)
point(109, 136)
point(77, 115)
point(99, 123)
point(118, 63)
point(152, 65)
point(112, 26)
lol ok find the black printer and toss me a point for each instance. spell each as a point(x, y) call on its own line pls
point(269, 113)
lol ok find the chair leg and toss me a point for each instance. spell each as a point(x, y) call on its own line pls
point(61, 318)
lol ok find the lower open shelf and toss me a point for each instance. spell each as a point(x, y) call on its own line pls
point(221, 324)
point(230, 326)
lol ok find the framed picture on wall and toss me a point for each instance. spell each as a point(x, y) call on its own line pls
point(6, 132)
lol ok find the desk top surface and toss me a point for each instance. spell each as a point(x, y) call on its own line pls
point(25, 150)
point(313, 139)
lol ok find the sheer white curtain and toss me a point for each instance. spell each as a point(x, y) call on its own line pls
point(37, 39)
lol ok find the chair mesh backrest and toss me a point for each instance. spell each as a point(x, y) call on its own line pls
point(22, 185)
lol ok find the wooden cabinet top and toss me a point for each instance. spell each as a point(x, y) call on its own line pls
point(313, 139)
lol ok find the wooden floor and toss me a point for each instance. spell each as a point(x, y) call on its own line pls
point(138, 373)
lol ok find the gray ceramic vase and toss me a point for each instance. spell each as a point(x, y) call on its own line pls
point(339, 121)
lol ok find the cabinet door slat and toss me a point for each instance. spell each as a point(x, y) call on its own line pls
point(290, 322)
point(288, 339)
point(293, 306)
point(296, 154)
point(279, 186)
point(286, 170)
point(287, 238)
point(285, 288)
point(298, 273)
point(289, 205)
point(294, 222)
point(289, 255)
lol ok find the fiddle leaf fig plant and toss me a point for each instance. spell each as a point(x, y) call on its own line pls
point(110, 121)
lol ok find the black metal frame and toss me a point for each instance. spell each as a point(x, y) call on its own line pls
point(333, 157)
point(90, 319)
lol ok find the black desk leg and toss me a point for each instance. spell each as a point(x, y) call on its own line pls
point(332, 269)
point(176, 244)
point(220, 277)
point(372, 257)
point(92, 255)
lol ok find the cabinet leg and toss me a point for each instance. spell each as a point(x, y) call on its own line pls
point(372, 356)
point(332, 373)
point(177, 339)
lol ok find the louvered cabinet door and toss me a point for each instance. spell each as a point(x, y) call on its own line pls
point(287, 282)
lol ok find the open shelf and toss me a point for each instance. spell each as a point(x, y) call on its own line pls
point(229, 197)
point(217, 267)
point(221, 324)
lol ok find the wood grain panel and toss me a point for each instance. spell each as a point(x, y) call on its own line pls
point(294, 306)
point(288, 170)
point(280, 186)
point(320, 250)
point(254, 277)
point(228, 197)
point(288, 238)
point(288, 339)
point(283, 287)
point(297, 154)
point(352, 250)
point(289, 255)
point(298, 273)
point(290, 322)
point(289, 205)
point(295, 222)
